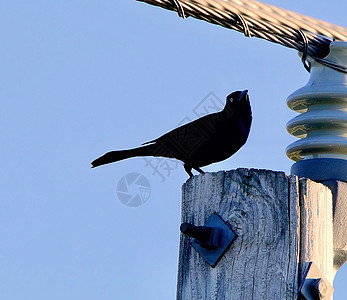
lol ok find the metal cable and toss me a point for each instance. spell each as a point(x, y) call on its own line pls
point(246, 31)
point(255, 19)
point(179, 8)
point(304, 52)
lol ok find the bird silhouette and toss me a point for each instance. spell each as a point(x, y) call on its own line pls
point(209, 139)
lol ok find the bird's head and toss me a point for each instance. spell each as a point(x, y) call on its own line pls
point(238, 100)
point(239, 103)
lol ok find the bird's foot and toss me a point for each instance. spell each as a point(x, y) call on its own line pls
point(199, 170)
point(188, 169)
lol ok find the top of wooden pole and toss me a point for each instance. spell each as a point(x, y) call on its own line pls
point(282, 224)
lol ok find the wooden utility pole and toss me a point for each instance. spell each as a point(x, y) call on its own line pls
point(282, 224)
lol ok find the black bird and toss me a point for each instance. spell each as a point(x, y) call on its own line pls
point(207, 140)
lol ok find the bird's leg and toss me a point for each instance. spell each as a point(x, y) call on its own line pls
point(199, 170)
point(188, 169)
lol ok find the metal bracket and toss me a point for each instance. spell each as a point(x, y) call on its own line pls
point(315, 286)
point(212, 239)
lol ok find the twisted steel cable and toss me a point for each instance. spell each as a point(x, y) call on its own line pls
point(255, 19)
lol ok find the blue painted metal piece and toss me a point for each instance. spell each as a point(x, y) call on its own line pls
point(315, 285)
point(227, 236)
point(207, 237)
point(321, 169)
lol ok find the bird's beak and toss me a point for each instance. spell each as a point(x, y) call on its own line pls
point(243, 95)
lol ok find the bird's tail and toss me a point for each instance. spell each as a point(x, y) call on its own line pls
point(114, 156)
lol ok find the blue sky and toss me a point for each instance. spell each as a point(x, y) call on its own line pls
point(80, 78)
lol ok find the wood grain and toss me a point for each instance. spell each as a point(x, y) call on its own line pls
point(263, 208)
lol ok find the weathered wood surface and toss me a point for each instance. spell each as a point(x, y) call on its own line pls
point(316, 228)
point(266, 260)
point(339, 190)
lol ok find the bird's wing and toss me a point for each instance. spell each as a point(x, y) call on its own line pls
point(150, 142)
point(201, 126)
point(184, 140)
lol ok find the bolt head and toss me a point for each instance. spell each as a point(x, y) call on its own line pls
point(319, 288)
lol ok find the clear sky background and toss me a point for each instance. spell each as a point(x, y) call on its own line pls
point(79, 78)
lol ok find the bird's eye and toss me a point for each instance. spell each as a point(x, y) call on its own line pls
point(231, 99)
